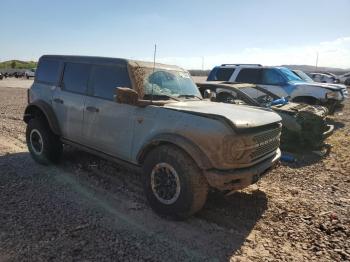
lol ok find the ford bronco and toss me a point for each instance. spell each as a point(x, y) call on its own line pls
point(152, 117)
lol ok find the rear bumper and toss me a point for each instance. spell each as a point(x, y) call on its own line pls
point(240, 178)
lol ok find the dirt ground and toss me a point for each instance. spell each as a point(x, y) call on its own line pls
point(87, 209)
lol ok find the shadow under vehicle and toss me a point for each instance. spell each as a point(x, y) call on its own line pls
point(303, 125)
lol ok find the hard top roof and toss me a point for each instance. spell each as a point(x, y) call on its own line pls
point(249, 66)
point(110, 61)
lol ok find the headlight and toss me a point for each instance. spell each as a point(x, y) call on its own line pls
point(237, 148)
point(334, 95)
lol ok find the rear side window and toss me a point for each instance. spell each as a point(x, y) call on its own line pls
point(48, 71)
point(249, 75)
point(106, 78)
point(224, 74)
point(75, 77)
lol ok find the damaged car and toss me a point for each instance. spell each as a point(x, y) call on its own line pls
point(303, 125)
point(282, 82)
point(150, 117)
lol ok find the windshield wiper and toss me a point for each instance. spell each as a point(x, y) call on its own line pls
point(190, 96)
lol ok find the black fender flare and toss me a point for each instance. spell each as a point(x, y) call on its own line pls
point(46, 110)
point(200, 158)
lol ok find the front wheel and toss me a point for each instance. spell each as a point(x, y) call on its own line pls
point(173, 183)
point(44, 146)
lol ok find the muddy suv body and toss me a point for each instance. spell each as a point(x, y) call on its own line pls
point(150, 116)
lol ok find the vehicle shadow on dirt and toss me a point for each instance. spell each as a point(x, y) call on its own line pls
point(305, 157)
point(337, 125)
point(216, 232)
point(224, 223)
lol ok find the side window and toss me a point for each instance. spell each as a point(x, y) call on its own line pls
point(75, 77)
point(249, 75)
point(224, 74)
point(106, 78)
point(48, 71)
point(271, 77)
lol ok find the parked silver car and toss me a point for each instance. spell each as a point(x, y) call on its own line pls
point(153, 117)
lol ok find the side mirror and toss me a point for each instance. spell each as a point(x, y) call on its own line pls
point(208, 94)
point(125, 95)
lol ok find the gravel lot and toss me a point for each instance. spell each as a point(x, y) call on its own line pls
point(87, 209)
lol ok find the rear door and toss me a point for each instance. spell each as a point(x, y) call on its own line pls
point(108, 126)
point(69, 99)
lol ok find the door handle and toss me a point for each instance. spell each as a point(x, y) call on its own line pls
point(58, 100)
point(92, 109)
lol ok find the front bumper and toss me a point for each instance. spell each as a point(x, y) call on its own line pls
point(240, 178)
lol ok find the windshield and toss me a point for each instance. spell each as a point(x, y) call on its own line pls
point(303, 76)
point(289, 74)
point(164, 84)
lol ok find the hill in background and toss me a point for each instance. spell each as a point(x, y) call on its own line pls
point(17, 64)
point(309, 68)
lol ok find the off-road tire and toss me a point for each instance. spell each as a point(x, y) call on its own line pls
point(51, 145)
point(193, 185)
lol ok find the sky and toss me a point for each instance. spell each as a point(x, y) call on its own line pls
point(192, 34)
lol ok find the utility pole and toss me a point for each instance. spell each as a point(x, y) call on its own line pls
point(316, 61)
point(202, 63)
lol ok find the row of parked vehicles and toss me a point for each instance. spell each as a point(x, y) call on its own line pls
point(28, 73)
point(153, 117)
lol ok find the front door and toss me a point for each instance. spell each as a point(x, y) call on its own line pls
point(108, 126)
point(274, 82)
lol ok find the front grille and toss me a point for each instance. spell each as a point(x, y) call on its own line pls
point(267, 135)
point(265, 149)
point(267, 142)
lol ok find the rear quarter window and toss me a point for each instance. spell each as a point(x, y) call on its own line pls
point(249, 75)
point(48, 71)
point(105, 79)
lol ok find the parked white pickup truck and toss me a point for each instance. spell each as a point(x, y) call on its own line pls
point(29, 73)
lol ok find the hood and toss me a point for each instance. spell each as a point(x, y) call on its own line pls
point(240, 116)
point(341, 86)
point(333, 87)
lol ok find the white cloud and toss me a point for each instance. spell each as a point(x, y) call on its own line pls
point(334, 53)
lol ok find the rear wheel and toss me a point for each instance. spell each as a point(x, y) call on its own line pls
point(44, 146)
point(173, 183)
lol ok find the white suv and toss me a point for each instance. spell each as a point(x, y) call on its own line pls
point(282, 82)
